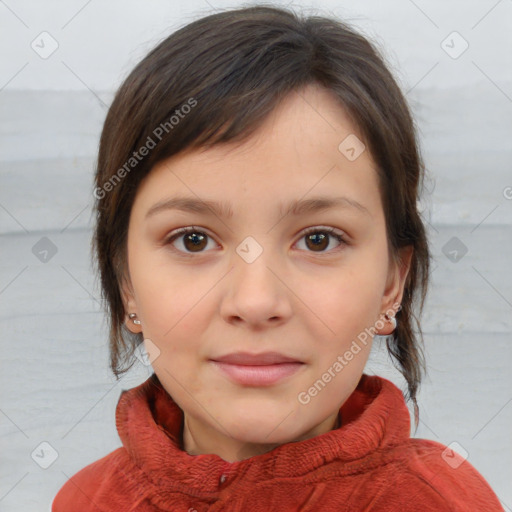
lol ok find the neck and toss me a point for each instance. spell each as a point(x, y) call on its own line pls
point(199, 439)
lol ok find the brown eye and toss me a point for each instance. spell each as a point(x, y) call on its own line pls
point(318, 239)
point(191, 238)
point(194, 241)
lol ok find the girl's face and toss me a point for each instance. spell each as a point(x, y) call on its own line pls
point(249, 279)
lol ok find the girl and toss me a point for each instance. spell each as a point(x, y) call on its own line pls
point(256, 227)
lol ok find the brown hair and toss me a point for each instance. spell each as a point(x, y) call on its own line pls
point(231, 69)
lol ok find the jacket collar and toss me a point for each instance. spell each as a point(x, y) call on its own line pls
point(149, 423)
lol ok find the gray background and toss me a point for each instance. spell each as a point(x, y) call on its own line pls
point(55, 382)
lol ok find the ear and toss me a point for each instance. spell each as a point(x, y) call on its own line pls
point(397, 275)
point(130, 306)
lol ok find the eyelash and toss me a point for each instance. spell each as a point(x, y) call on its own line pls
point(316, 229)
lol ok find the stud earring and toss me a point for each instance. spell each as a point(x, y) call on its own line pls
point(391, 319)
point(132, 317)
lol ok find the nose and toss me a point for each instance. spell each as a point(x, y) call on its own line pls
point(256, 291)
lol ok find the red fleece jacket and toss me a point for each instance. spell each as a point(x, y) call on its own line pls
point(370, 463)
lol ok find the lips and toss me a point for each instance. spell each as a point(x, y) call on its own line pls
point(263, 369)
point(265, 358)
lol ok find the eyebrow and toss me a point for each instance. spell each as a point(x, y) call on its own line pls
point(223, 209)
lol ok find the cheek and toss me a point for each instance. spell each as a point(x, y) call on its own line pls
point(174, 318)
point(348, 300)
point(169, 297)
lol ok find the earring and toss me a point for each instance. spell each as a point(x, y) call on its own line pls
point(391, 319)
point(132, 317)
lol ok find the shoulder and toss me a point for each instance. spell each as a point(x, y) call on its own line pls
point(433, 477)
point(110, 483)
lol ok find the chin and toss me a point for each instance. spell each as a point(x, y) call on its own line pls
point(261, 427)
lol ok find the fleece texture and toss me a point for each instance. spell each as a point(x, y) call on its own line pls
point(369, 463)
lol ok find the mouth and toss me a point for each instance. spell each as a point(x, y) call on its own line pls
point(263, 369)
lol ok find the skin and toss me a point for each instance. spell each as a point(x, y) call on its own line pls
point(306, 302)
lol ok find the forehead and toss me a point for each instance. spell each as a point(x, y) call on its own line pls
point(300, 151)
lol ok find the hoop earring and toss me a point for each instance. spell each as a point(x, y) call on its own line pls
point(132, 317)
